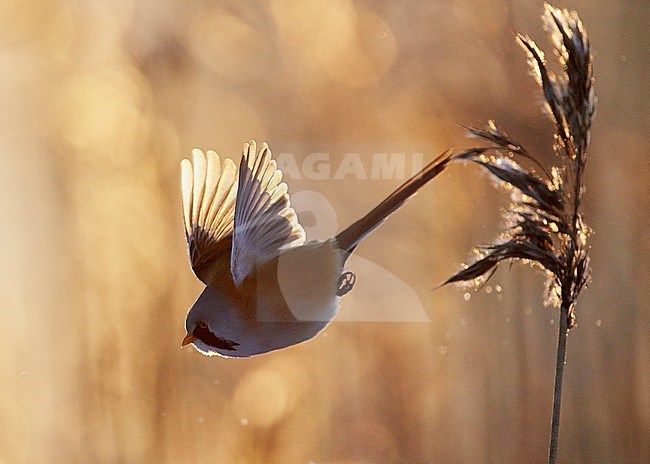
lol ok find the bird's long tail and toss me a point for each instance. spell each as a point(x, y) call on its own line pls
point(350, 237)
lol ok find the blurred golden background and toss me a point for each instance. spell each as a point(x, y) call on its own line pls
point(101, 100)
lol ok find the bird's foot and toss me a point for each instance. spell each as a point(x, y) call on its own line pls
point(346, 283)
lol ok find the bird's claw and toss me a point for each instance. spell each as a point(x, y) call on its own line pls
point(346, 283)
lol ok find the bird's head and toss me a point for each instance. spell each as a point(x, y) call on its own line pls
point(205, 326)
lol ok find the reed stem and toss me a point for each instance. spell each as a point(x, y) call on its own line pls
point(563, 334)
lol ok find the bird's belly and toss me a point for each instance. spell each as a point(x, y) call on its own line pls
point(303, 284)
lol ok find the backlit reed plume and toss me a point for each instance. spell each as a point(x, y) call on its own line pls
point(545, 225)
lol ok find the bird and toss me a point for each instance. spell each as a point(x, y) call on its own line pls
point(266, 287)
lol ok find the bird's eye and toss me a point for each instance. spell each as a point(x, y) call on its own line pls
point(203, 325)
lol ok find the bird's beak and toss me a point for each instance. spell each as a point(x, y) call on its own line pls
point(189, 338)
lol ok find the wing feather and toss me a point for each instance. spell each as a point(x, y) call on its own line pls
point(264, 223)
point(209, 189)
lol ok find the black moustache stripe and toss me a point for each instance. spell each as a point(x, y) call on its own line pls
point(207, 337)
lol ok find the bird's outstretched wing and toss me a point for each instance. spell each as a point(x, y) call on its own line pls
point(209, 188)
point(265, 222)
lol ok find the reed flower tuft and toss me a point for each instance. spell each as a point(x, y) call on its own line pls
point(544, 224)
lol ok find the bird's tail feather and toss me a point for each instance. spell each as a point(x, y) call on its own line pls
point(350, 237)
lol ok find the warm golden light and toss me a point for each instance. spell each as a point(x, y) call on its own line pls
point(101, 100)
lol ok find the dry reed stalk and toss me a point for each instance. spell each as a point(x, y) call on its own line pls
point(545, 226)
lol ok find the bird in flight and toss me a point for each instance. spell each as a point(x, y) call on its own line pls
point(266, 288)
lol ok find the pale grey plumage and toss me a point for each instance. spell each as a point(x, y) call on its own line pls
point(266, 288)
